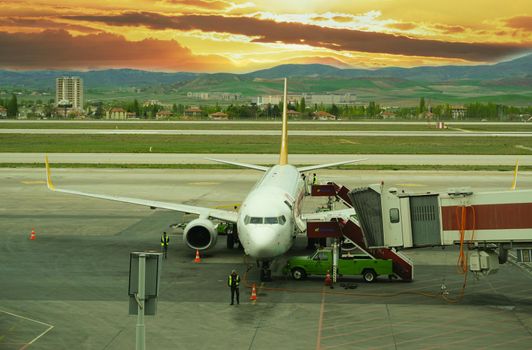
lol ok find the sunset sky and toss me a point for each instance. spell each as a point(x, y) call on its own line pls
point(242, 36)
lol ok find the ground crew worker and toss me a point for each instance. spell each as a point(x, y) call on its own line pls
point(164, 243)
point(233, 281)
point(314, 178)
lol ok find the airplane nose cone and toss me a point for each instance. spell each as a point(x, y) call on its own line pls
point(263, 242)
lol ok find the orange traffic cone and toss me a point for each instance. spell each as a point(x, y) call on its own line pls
point(253, 293)
point(328, 280)
point(197, 258)
point(32, 237)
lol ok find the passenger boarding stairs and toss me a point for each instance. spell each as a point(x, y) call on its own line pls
point(349, 229)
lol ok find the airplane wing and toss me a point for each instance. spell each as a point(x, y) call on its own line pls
point(320, 166)
point(328, 215)
point(225, 215)
point(244, 165)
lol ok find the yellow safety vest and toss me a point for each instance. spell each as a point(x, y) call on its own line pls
point(164, 241)
point(230, 280)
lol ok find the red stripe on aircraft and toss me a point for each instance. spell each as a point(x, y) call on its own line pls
point(488, 217)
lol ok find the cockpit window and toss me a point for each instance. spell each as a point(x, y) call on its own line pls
point(255, 220)
point(271, 221)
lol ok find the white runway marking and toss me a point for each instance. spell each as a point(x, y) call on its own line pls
point(31, 320)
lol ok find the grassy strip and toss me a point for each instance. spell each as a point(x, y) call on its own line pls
point(224, 166)
point(316, 126)
point(262, 144)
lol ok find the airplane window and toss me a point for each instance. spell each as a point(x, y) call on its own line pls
point(255, 220)
point(271, 221)
point(282, 220)
point(246, 219)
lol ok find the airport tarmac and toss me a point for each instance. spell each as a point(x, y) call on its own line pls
point(68, 288)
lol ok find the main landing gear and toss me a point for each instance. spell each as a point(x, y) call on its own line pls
point(265, 271)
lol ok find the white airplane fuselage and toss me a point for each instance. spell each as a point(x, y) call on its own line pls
point(266, 220)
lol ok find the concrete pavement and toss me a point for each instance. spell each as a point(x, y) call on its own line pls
point(296, 159)
point(74, 275)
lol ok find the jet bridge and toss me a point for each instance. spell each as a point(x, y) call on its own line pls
point(487, 221)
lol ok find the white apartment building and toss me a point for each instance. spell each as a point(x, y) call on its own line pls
point(69, 89)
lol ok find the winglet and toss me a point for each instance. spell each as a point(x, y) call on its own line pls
point(49, 182)
point(514, 183)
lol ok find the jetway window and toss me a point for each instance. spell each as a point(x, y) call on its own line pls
point(394, 215)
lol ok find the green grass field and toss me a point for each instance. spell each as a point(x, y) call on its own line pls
point(262, 144)
point(316, 126)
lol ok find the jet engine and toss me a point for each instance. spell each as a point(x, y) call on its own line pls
point(200, 234)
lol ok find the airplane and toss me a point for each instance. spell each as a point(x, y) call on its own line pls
point(268, 219)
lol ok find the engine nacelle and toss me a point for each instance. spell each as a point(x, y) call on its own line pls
point(200, 234)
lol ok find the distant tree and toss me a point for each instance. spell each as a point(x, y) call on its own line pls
point(276, 111)
point(136, 108)
point(174, 109)
point(373, 109)
point(302, 105)
point(12, 106)
point(422, 107)
point(334, 110)
point(98, 113)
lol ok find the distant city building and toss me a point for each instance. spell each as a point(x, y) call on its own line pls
point(458, 112)
point(69, 92)
point(322, 115)
point(218, 116)
point(116, 113)
point(310, 99)
point(225, 96)
point(292, 114)
point(149, 103)
point(163, 115)
point(193, 111)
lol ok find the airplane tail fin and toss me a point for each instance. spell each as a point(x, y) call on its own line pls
point(283, 157)
point(49, 182)
point(514, 183)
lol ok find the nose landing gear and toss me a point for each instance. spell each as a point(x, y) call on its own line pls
point(265, 271)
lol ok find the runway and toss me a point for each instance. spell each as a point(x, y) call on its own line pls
point(222, 132)
point(74, 276)
point(296, 159)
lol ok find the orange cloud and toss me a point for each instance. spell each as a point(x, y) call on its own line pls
point(57, 49)
point(343, 19)
point(402, 25)
point(449, 29)
point(339, 39)
point(520, 22)
point(40, 24)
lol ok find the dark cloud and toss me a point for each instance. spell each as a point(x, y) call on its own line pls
point(41, 23)
point(268, 31)
point(57, 49)
point(449, 29)
point(520, 22)
point(402, 26)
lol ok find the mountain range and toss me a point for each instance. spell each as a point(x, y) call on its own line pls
point(505, 82)
point(520, 68)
